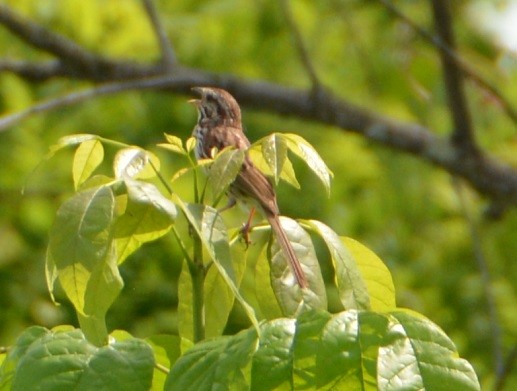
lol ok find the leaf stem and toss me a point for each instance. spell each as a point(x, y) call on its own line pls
point(161, 178)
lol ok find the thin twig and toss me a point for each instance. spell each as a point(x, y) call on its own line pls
point(509, 363)
point(169, 59)
point(463, 134)
point(300, 44)
point(77, 97)
point(484, 270)
point(467, 70)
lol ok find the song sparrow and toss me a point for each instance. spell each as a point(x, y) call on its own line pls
point(219, 126)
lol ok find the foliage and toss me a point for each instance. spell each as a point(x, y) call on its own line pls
point(373, 344)
point(405, 210)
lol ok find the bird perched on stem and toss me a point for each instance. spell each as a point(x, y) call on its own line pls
point(219, 125)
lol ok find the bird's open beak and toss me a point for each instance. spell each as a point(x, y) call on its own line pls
point(195, 102)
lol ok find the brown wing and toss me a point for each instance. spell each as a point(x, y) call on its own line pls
point(253, 183)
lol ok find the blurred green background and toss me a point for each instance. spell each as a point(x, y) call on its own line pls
point(405, 210)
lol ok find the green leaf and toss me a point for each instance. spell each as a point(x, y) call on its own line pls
point(272, 366)
point(309, 326)
point(87, 158)
point(218, 362)
point(300, 147)
point(210, 228)
point(266, 299)
point(224, 169)
point(287, 174)
point(8, 367)
point(352, 289)
point(190, 144)
point(274, 150)
point(352, 350)
point(82, 256)
point(338, 358)
point(418, 355)
point(376, 275)
point(129, 162)
point(219, 301)
point(65, 360)
point(148, 216)
point(291, 298)
point(70, 140)
point(174, 144)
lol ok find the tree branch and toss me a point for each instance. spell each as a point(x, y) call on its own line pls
point(489, 177)
point(75, 60)
point(169, 59)
point(463, 134)
point(36, 72)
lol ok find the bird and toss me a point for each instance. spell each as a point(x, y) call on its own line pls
point(219, 125)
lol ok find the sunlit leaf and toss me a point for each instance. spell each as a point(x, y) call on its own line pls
point(174, 144)
point(291, 298)
point(218, 361)
point(148, 216)
point(72, 139)
point(219, 300)
point(274, 150)
point(266, 299)
point(375, 274)
point(225, 168)
point(418, 354)
point(190, 144)
point(66, 360)
point(352, 288)
point(288, 175)
point(350, 350)
point(185, 304)
point(299, 146)
point(81, 253)
point(129, 162)
point(272, 366)
point(87, 158)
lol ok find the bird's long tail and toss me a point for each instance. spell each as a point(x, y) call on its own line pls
point(288, 250)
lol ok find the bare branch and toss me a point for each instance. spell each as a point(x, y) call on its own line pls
point(463, 135)
point(300, 45)
point(488, 176)
point(33, 71)
point(169, 59)
point(78, 97)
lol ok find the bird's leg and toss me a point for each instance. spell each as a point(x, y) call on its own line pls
point(245, 230)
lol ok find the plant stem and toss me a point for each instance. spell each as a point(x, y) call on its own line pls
point(197, 273)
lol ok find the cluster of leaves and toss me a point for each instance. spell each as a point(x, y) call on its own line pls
point(292, 340)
